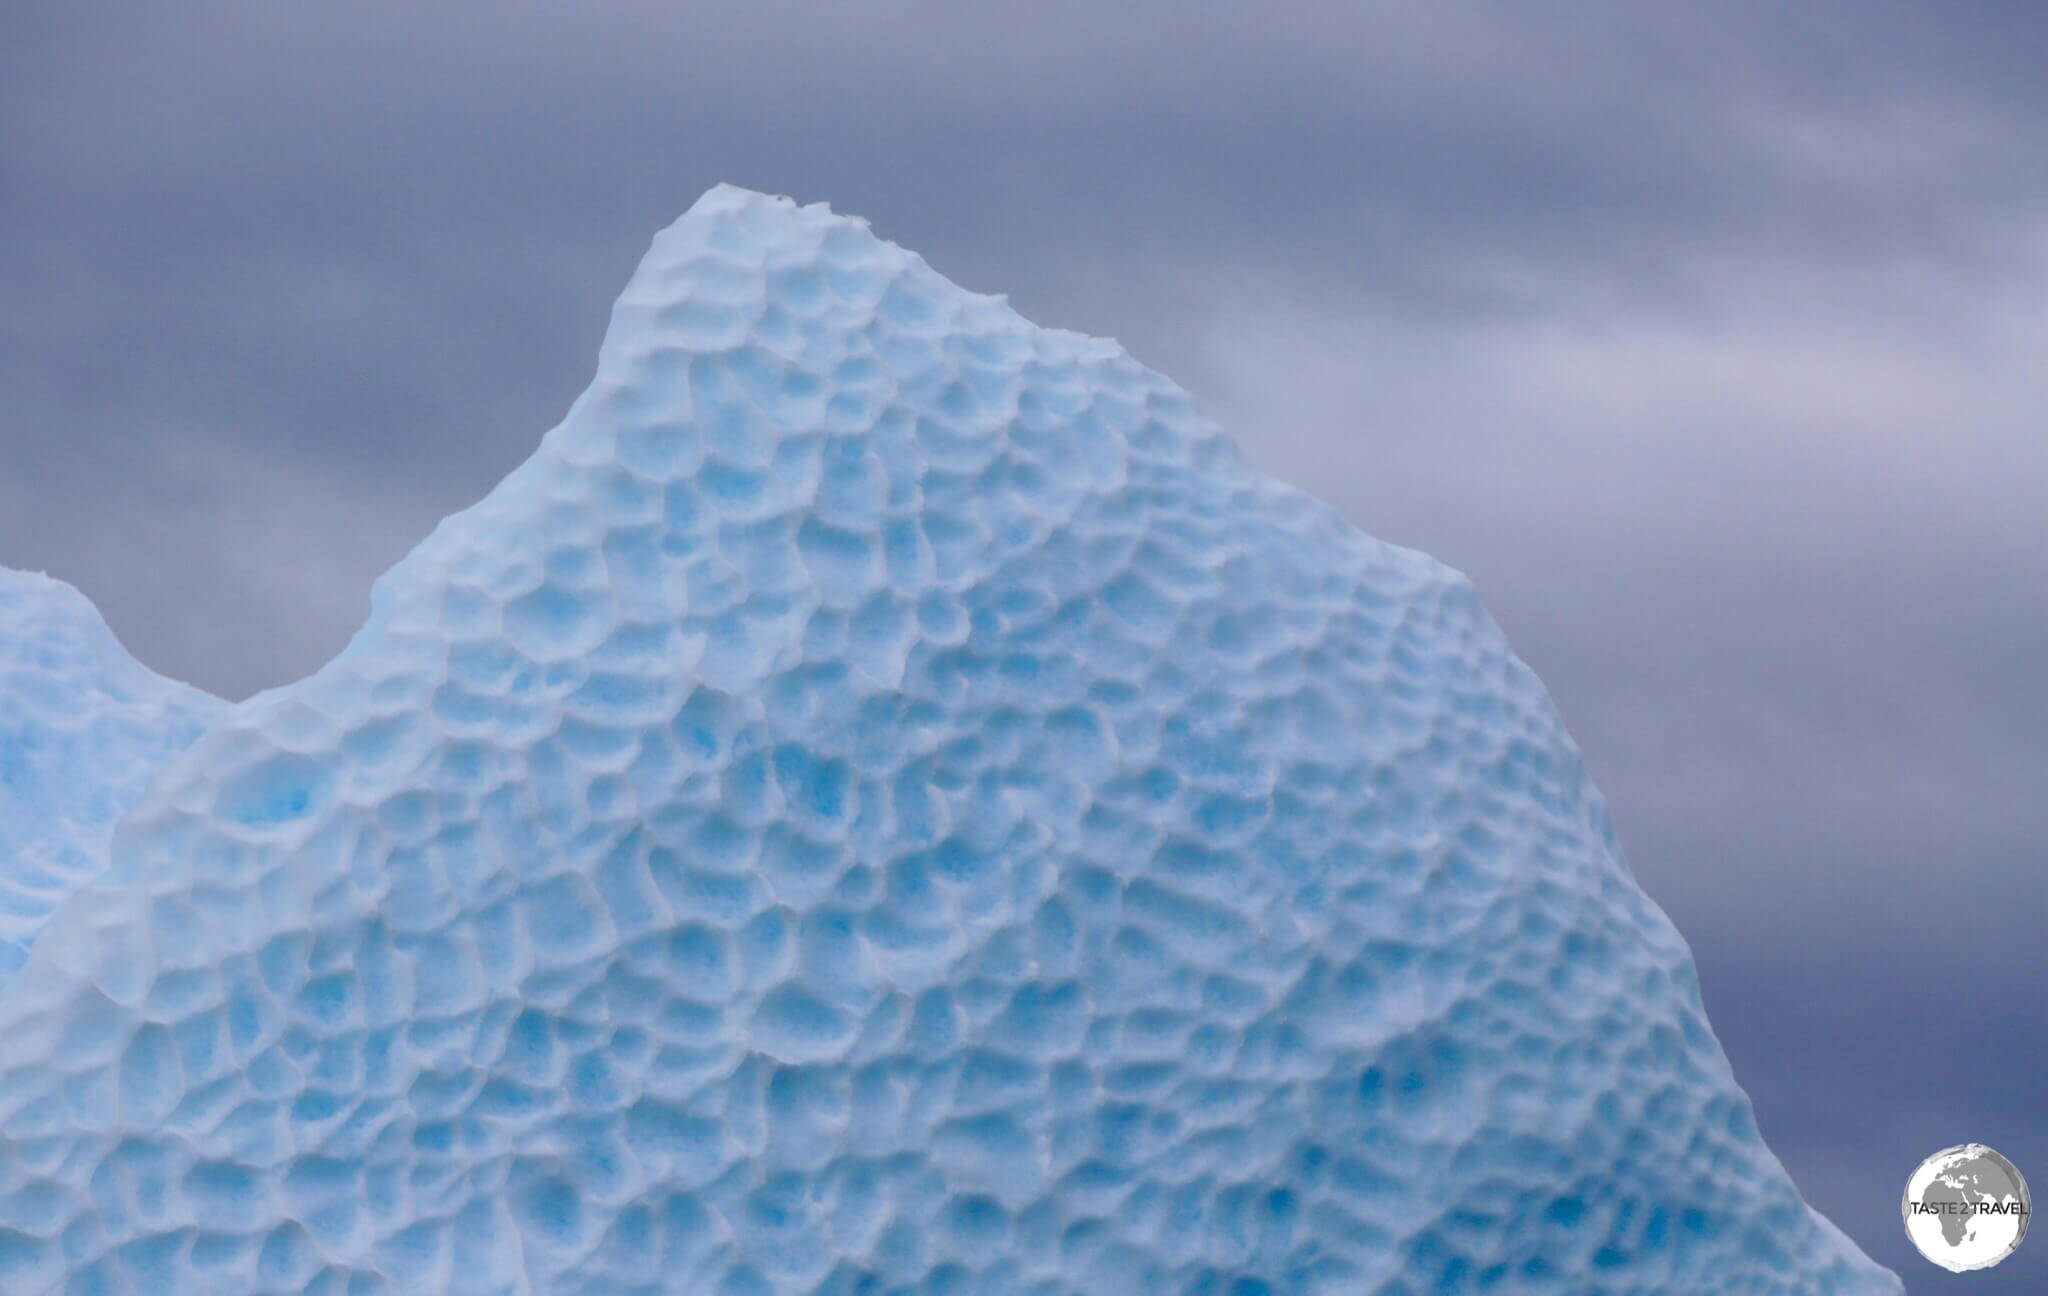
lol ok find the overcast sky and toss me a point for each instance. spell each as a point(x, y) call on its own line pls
point(1711, 340)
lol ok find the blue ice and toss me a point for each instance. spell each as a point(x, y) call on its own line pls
point(886, 799)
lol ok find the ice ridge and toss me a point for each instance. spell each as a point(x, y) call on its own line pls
point(886, 799)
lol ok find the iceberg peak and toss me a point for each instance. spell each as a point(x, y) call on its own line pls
point(885, 798)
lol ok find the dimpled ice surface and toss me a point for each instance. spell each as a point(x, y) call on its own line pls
point(885, 800)
point(83, 727)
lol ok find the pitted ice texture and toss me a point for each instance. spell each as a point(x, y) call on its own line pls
point(83, 728)
point(885, 800)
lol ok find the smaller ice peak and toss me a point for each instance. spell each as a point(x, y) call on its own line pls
point(48, 620)
point(84, 727)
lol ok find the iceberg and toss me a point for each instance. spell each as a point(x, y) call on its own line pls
point(83, 727)
point(886, 799)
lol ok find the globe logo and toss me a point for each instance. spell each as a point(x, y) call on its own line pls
point(1966, 1207)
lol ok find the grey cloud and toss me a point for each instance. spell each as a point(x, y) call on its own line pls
point(1703, 337)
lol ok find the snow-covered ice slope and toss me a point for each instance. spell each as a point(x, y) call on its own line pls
point(83, 728)
point(886, 799)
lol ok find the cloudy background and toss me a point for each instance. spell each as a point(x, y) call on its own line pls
point(1710, 339)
